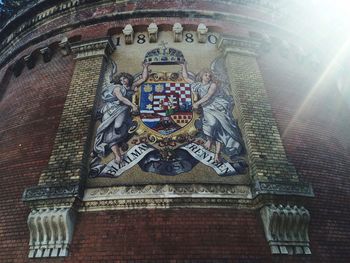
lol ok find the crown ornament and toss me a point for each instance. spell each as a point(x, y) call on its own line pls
point(164, 56)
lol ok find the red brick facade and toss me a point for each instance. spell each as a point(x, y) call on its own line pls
point(316, 142)
point(31, 106)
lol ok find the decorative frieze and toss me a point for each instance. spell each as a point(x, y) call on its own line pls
point(175, 190)
point(52, 192)
point(286, 229)
point(165, 196)
point(283, 188)
point(98, 47)
point(163, 203)
point(65, 5)
point(8, 50)
point(51, 232)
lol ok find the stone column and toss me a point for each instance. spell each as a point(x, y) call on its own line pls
point(269, 168)
point(274, 179)
point(61, 184)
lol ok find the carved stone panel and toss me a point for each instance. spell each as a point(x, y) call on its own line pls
point(286, 229)
point(51, 232)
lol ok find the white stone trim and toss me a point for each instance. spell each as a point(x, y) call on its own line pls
point(51, 231)
point(286, 229)
point(93, 48)
point(164, 196)
point(152, 32)
point(177, 32)
point(202, 32)
point(128, 32)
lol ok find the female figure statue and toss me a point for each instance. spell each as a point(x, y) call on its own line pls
point(217, 123)
point(116, 113)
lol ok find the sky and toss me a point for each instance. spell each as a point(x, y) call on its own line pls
point(326, 23)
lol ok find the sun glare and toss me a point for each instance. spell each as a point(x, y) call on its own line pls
point(332, 22)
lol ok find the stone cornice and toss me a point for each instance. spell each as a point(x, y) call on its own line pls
point(165, 196)
point(169, 191)
point(93, 48)
point(38, 193)
point(238, 45)
point(283, 188)
point(37, 9)
point(63, 7)
point(162, 196)
point(183, 195)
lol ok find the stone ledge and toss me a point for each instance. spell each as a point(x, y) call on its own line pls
point(37, 193)
point(93, 48)
point(165, 196)
point(183, 196)
point(163, 203)
point(283, 188)
point(167, 191)
point(243, 46)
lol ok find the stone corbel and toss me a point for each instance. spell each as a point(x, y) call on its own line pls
point(51, 221)
point(51, 232)
point(93, 48)
point(64, 46)
point(242, 46)
point(286, 229)
point(128, 32)
point(30, 61)
point(18, 67)
point(152, 33)
point(47, 54)
point(202, 32)
point(177, 30)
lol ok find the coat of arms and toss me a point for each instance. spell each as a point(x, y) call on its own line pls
point(166, 121)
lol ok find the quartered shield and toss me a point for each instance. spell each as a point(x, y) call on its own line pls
point(166, 107)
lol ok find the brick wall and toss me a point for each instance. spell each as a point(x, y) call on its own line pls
point(30, 108)
point(317, 142)
point(172, 235)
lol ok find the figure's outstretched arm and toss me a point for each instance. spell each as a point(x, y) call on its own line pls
point(185, 73)
point(122, 99)
point(143, 78)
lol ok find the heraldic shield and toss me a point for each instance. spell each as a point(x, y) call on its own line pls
point(165, 99)
point(166, 107)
